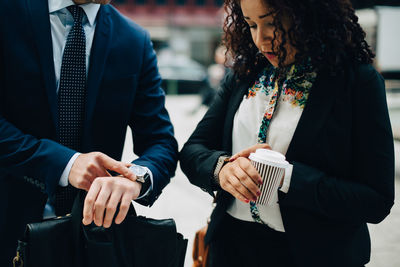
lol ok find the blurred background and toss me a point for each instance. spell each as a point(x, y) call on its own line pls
point(186, 35)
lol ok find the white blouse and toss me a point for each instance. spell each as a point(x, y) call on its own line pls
point(246, 125)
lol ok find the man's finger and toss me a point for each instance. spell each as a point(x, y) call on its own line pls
point(100, 204)
point(112, 207)
point(117, 166)
point(123, 208)
point(90, 199)
point(127, 164)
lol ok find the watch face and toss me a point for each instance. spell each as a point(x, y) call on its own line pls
point(138, 170)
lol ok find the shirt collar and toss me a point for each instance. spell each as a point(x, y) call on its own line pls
point(90, 9)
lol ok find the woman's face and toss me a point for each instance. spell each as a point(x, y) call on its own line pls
point(260, 18)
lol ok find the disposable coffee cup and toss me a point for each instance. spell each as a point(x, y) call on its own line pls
point(271, 166)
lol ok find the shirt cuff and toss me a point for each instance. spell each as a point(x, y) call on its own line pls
point(64, 176)
point(286, 179)
point(151, 185)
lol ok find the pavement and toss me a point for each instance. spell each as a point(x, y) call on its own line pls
point(190, 207)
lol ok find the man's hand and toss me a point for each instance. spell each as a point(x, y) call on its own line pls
point(103, 198)
point(88, 167)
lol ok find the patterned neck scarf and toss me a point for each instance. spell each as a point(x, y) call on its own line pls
point(292, 84)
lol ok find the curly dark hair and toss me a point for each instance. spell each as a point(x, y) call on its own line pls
point(326, 31)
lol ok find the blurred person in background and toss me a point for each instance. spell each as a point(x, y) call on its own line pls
point(74, 75)
point(301, 84)
point(215, 73)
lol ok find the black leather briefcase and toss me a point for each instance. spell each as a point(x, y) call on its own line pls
point(65, 242)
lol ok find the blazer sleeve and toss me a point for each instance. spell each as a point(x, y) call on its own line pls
point(22, 154)
point(153, 133)
point(369, 194)
point(200, 153)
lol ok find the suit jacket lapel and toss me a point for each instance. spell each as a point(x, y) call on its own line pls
point(40, 21)
point(98, 56)
point(315, 114)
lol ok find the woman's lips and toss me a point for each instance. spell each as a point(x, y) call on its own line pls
point(269, 55)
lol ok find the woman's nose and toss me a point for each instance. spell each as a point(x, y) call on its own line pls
point(262, 39)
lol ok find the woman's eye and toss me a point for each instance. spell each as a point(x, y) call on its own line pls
point(253, 26)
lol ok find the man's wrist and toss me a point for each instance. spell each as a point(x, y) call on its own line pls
point(64, 179)
point(145, 178)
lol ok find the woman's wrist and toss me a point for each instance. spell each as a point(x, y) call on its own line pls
point(222, 160)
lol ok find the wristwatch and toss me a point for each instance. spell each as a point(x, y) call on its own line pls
point(222, 160)
point(142, 176)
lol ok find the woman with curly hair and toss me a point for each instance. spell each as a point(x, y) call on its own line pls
point(301, 84)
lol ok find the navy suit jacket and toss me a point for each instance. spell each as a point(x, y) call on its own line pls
point(343, 165)
point(123, 90)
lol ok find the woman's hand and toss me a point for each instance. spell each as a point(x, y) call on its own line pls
point(246, 152)
point(240, 178)
point(103, 197)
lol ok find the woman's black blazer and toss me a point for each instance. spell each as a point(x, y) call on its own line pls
point(343, 165)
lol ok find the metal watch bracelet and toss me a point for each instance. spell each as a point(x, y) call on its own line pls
point(222, 160)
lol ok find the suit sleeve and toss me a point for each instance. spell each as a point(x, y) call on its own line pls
point(153, 133)
point(201, 152)
point(369, 196)
point(24, 155)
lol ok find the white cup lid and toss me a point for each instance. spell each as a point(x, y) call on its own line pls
point(270, 157)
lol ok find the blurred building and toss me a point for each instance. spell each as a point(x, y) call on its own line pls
point(189, 27)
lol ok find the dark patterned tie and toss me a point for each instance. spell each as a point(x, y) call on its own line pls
point(71, 100)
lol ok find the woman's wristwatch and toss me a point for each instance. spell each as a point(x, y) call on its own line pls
point(222, 160)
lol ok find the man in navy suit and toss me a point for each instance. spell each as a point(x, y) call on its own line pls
point(73, 75)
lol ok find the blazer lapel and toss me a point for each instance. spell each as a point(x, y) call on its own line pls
point(315, 113)
point(98, 56)
point(40, 21)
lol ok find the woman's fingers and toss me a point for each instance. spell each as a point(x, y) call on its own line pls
point(235, 178)
point(252, 190)
point(229, 188)
point(246, 152)
point(250, 170)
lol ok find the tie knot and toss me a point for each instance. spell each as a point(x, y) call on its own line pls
point(76, 12)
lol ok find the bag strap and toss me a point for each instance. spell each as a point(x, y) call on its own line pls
point(21, 250)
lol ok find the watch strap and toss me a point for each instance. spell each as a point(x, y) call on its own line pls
point(222, 160)
point(145, 185)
